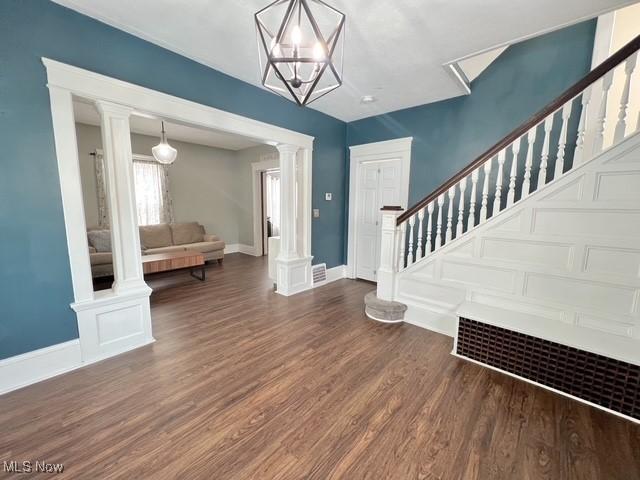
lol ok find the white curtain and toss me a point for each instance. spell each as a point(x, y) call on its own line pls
point(101, 190)
point(273, 201)
point(152, 193)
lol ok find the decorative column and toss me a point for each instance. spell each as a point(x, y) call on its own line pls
point(388, 253)
point(287, 201)
point(125, 238)
point(293, 267)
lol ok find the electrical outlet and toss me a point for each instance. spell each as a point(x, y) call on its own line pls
point(328, 196)
point(316, 213)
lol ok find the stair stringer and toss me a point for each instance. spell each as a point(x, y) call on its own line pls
point(569, 252)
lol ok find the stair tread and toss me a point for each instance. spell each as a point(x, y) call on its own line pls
point(626, 349)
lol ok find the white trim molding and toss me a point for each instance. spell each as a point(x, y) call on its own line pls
point(116, 320)
point(371, 152)
point(37, 365)
point(336, 273)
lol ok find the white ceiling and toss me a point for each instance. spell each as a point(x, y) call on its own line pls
point(474, 66)
point(86, 113)
point(394, 50)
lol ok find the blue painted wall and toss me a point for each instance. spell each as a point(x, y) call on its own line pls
point(448, 135)
point(35, 281)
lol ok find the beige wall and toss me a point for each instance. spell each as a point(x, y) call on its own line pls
point(208, 185)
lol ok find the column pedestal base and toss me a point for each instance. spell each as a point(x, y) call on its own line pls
point(293, 275)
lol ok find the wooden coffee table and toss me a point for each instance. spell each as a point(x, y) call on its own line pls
point(165, 262)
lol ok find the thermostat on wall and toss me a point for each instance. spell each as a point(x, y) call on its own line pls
point(327, 196)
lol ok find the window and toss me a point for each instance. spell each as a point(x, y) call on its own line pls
point(152, 192)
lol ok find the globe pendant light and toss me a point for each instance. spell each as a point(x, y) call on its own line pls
point(163, 152)
point(301, 45)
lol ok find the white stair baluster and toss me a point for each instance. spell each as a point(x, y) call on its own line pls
point(403, 242)
point(621, 126)
point(449, 231)
point(471, 221)
point(439, 222)
point(410, 253)
point(511, 194)
point(460, 226)
point(429, 226)
point(528, 163)
point(562, 142)
point(497, 200)
point(420, 251)
point(578, 156)
point(598, 142)
point(542, 175)
point(485, 190)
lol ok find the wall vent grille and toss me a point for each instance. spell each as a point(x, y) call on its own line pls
point(601, 380)
point(319, 273)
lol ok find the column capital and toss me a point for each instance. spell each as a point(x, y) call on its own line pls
point(285, 148)
point(113, 109)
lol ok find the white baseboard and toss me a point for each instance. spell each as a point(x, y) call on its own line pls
point(241, 248)
point(333, 274)
point(336, 273)
point(31, 367)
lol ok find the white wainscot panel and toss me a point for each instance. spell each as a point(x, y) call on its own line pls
point(479, 275)
point(424, 269)
point(427, 292)
point(590, 222)
point(551, 254)
point(580, 293)
point(624, 329)
point(512, 223)
point(617, 186)
point(117, 325)
point(612, 261)
point(518, 305)
point(568, 192)
point(463, 249)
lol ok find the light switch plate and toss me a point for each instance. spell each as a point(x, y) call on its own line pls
point(328, 196)
point(316, 213)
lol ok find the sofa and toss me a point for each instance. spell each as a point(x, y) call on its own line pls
point(162, 238)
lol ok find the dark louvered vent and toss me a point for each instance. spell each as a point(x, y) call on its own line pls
point(319, 273)
point(598, 379)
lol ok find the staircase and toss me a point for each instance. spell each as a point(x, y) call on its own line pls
point(539, 237)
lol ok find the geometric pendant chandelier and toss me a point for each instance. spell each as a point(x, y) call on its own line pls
point(301, 45)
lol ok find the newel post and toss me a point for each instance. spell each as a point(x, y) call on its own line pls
point(389, 243)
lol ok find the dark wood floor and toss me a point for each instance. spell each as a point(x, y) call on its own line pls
point(245, 384)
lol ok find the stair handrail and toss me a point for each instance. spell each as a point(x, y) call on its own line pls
point(600, 71)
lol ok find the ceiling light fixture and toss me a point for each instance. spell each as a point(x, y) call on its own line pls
point(301, 45)
point(368, 99)
point(163, 152)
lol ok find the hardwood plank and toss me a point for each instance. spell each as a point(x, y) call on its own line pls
point(243, 383)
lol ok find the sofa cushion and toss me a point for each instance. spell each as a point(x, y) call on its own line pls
point(205, 247)
point(102, 258)
point(183, 233)
point(100, 240)
point(155, 236)
point(169, 249)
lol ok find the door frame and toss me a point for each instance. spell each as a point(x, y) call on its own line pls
point(267, 162)
point(370, 152)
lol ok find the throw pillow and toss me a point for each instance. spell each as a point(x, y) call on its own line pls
point(100, 240)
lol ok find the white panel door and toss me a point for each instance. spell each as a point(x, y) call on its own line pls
point(379, 184)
